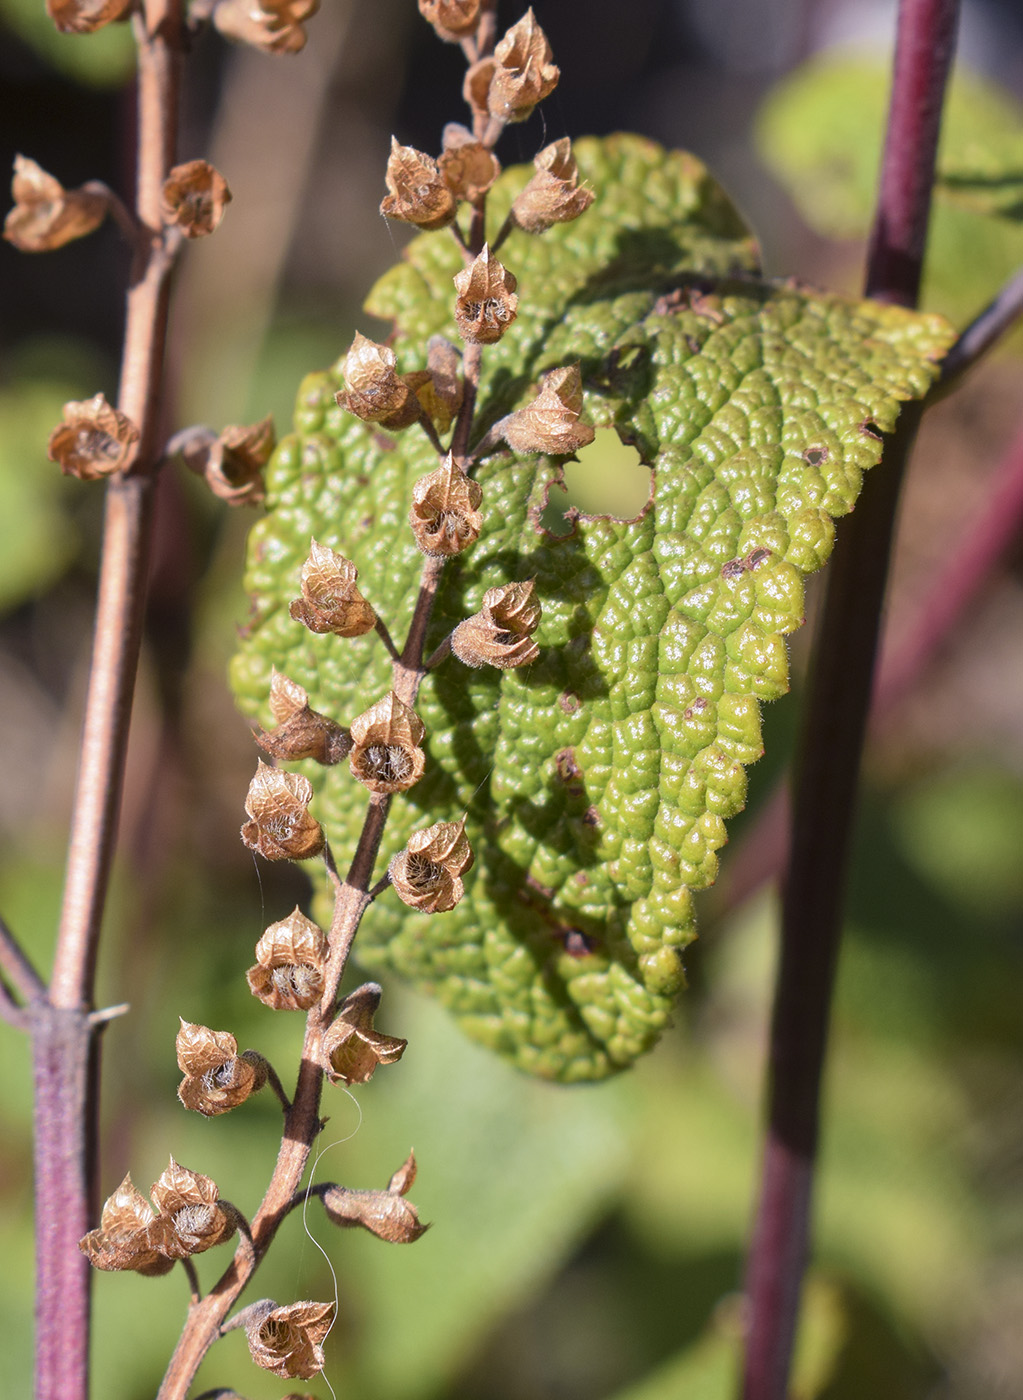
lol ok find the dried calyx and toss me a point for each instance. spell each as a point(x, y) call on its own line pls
point(272, 25)
point(288, 1341)
point(501, 633)
point(373, 389)
point(330, 601)
point(281, 827)
point(426, 874)
point(94, 440)
point(45, 214)
point(217, 1078)
point(232, 462)
point(195, 196)
point(553, 422)
point(189, 1218)
point(523, 73)
point(386, 754)
point(290, 960)
point(352, 1048)
point(486, 304)
point(86, 16)
point(454, 20)
point(417, 193)
point(301, 731)
point(468, 166)
point(385, 1214)
point(444, 515)
point(553, 195)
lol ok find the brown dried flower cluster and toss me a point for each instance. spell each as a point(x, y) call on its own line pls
point(301, 731)
point(441, 392)
point(272, 25)
point(217, 1078)
point(553, 421)
point(426, 874)
point(289, 1341)
point(374, 391)
point(94, 440)
point(352, 1048)
point(385, 1214)
point(553, 195)
point(520, 74)
point(445, 516)
point(86, 16)
point(281, 827)
point(486, 304)
point(290, 961)
point(195, 196)
point(45, 214)
point(416, 190)
point(501, 633)
point(454, 20)
point(330, 601)
point(189, 1218)
point(232, 463)
point(468, 166)
point(386, 754)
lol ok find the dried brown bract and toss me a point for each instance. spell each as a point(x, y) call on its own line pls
point(416, 192)
point(281, 827)
point(232, 464)
point(374, 391)
point(445, 516)
point(86, 16)
point(468, 166)
point(94, 440)
point(191, 1217)
point(425, 875)
point(476, 88)
point(440, 395)
point(288, 1341)
point(352, 1048)
point(330, 601)
point(45, 214)
point(123, 1239)
point(500, 634)
point(453, 20)
point(386, 756)
point(301, 731)
point(272, 25)
point(290, 959)
point(553, 421)
point(385, 1214)
point(195, 196)
point(486, 304)
point(217, 1078)
point(523, 74)
point(553, 195)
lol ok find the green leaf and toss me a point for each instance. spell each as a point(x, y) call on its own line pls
point(597, 782)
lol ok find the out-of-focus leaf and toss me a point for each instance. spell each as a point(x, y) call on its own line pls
point(36, 538)
point(103, 59)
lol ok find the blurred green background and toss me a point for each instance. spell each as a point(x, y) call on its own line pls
point(585, 1242)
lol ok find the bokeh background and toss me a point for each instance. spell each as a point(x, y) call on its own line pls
point(587, 1243)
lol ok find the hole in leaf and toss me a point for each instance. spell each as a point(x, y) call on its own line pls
point(608, 479)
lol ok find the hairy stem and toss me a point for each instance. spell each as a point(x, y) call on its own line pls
point(831, 743)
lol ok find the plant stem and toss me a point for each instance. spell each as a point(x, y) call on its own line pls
point(831, 742)
point(998, 317)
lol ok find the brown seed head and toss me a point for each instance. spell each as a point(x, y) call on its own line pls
point(385, 1214)
point(476, 88)
point(373, 390)
point(272, 25)
point(288, 1341)
point(553, 421)
point(195, 196)
point(233, 463)
point(425, 875)
point(290, 959)
point(416, 193)
point(301, 731)
point(281, 827)
point(524, 74)
point(86, 16)
point(553, 195)
point(351, 1049)
point(486, 304)
point(386, 754)
point(469, 168)
point(444, 515)
point(45, 214)
point(330, 601)
point(217, 1078)
point(191, 1213)
point(440, 393)
point(453, 20)
point(94, 440)
point(500, 634)
point(123, 1239)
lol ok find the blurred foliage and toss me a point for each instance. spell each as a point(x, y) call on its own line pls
point(105, 58)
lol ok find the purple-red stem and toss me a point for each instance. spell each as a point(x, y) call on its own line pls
point(832, 739)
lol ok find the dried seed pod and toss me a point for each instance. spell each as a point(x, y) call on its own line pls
point(123, 1239)
point(500, 634)
point(453, 20)
point(386, 754)
point(476, 87)
point(272, 25)
point(330, 601)
point(523, 74)
point(351, 1048)
point(281, 827)
point(217, 1078)
point(232, 463)
point(553, 195)
point(385, 1214)
point(288, 1341)
point(301, 732)
point(425, 875)
point(195, 196)
point(468, 166)
point(553, 421)
point(45, 214)
point(416, 193)
point(191, 1211)
point(445, 515)
point(86, 16)
point(440, 395)
point(486, 304)
point(94, 440)
point(290, 960)
point(374, 391)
